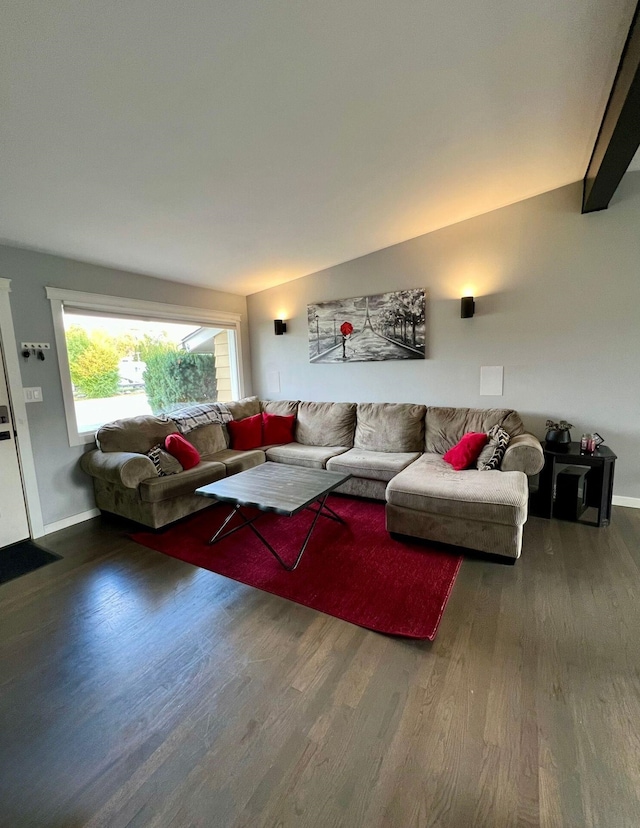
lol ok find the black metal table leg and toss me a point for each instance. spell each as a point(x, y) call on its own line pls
point(235, 511)
point(321, 510)
point(324, 508)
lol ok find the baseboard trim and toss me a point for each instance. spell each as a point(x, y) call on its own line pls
point(70, 521)
point(631, 502)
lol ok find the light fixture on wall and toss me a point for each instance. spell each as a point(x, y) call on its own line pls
point(279, 327)
point(467, 307)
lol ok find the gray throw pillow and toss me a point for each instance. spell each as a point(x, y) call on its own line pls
point(492, 454)
point(165, 463)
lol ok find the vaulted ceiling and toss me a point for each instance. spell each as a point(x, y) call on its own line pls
point(242, 144)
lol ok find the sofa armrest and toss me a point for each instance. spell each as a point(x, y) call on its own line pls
point(524, 453)
point(126, 468)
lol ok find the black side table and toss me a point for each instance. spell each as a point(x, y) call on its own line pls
point(601, 466)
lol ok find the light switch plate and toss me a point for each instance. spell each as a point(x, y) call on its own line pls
point(32, 395)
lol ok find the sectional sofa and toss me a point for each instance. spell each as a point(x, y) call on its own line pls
point(392, 450)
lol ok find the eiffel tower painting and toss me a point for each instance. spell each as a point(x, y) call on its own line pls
point(367, 320)
point(382, 326)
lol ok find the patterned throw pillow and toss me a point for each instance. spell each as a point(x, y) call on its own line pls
point(492, 454)
point(164, 462)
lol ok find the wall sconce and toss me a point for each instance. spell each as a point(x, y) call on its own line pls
point(467, 307)
point(279, 327)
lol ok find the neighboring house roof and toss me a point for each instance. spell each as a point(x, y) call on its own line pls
point(200, 340)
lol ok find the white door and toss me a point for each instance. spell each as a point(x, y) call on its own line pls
point(13, 512)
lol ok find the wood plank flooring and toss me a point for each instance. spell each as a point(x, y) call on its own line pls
point(136, 690)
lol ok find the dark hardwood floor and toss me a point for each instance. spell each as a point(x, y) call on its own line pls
point(139, 691)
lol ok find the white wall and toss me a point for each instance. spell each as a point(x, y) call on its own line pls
point(558, 304)
point(64, 489)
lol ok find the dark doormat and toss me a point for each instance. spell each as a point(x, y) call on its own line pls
point(21, 558)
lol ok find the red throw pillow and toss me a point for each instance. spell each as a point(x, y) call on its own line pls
point(247, 433)
point(184, 451)
point(466, 452)
point(277, 428)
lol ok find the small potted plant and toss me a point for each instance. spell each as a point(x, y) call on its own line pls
point(558, 434)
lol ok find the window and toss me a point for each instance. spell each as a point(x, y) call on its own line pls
point(122, 358)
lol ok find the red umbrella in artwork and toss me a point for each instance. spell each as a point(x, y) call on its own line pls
point(346, 329)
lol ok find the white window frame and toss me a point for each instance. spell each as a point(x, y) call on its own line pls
point(115, 305)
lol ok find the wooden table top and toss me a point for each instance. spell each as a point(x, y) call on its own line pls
point(275, 487)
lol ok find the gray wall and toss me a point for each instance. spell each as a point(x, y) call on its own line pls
point(558, 304)
point(64, 489)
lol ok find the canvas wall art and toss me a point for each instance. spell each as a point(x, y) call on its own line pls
point(368, 328)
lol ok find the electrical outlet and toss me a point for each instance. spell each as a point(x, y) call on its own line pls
point(32, 395)
point(35, 346)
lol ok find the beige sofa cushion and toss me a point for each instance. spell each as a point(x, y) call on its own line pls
point(394, 427)
point(311, 457)
point(238, 461)
point(372, 465)
point(246, 407)
point(431, 485)
point(446, 426)
point(208, 439)
point(157, 489)
point(283, 408)
point(325, 424)
point(138, 434)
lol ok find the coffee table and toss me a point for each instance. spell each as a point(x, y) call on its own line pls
point(275, 487)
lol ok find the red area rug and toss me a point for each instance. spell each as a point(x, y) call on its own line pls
point(355, 572)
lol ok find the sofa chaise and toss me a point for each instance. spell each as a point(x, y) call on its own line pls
point(392, 450)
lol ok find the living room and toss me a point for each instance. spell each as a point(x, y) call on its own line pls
point(372, 153)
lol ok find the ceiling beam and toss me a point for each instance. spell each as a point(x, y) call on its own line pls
point(619, 135)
